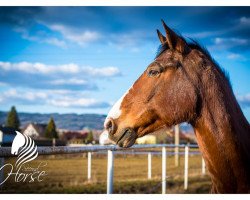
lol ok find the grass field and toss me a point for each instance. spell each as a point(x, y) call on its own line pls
point(68, 174)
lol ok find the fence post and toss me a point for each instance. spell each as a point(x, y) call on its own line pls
point(89, 165)
point(164, 159)
point(110, 172)
point(177, 143)
point(149, 165)
point(53, 142)
point(203, 166)
point(186, 168)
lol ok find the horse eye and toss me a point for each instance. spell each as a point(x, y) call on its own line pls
point(153, 72)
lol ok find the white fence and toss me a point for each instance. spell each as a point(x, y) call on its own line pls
point(6, 152)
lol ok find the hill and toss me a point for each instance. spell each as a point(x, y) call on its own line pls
point(63, 121)
point(70, 121)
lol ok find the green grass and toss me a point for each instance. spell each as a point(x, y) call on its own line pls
point(68, 174)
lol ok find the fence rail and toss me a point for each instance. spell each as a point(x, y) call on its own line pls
point(110, 149)
point(6, 151)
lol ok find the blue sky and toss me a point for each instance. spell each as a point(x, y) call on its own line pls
point(82, 59)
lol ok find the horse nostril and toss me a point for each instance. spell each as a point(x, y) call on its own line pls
point(110, 126)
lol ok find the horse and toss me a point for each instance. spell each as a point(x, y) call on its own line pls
point(185, 84)
point(28, 149)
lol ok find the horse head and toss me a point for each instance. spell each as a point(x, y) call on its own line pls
point(18, 142)
point(164, 95)
point(184, 84)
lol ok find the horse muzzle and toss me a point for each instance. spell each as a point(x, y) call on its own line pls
point(126, 138)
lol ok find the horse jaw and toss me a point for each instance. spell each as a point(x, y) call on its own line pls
point(18, 142)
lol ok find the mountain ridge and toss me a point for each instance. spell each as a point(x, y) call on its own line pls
point(69, 121)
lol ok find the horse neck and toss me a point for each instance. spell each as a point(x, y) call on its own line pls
point(223, 135)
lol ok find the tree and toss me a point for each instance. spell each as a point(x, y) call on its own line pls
point(50, 131)
point(13, 119)
point(89, 138)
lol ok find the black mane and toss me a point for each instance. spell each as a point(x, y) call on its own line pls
point(193, 44)
point(161, 49)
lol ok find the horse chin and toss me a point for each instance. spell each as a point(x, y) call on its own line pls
point(127, 138)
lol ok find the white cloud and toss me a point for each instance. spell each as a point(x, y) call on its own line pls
point(56, 42)
point(34, 68)
point(245, 20)
point(71, 68)
point(57, 98)
point(40, 37)
point(2, 84)
point(231, 44)
point(244, 100)
point(234, 56)
point(128, 41)
point(80, 36)
point(74, 35)
point(231, 41)
point(72, 81)
point(77, 102)
point(204, 34)
point(104, 72)
point(23, 95)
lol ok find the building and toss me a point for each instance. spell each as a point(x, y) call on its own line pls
point(147, 139)
point(73, 137)
point(96, 135)
point(7, 136)
point(162, 136)
point(35, 130)
point(167, 136)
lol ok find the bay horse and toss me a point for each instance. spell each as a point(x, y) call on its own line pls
point(184, 84)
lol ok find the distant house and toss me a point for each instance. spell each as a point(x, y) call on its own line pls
point(73, 136)
point(7, 136)
point(184, 137)
point(147, 139)
point(96, 135)
point(34, 130)
point(163, 136)
point(167, 135)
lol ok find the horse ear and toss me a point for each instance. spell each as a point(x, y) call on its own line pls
point(18, 133)
point(162, 38)
point(174, 41)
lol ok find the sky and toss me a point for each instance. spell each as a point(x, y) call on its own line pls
point(82, 59)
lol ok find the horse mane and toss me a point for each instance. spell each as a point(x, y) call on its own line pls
point(194, 44)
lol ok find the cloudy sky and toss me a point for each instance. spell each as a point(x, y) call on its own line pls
point(82, 59)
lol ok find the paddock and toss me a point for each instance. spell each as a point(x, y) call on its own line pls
point(162, 150)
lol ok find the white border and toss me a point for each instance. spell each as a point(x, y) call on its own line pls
point(124, 2)
point(126, 196)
